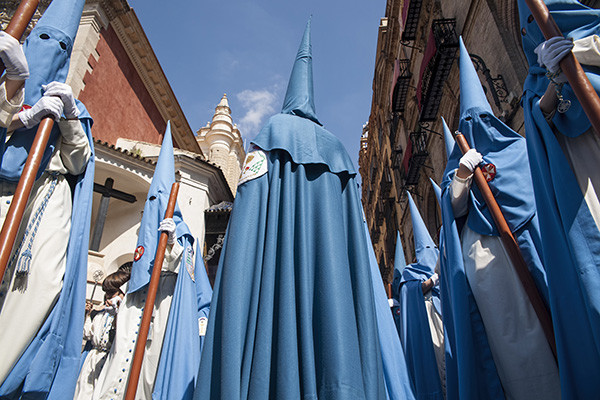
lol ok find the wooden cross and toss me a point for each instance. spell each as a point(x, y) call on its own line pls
point(107, 192)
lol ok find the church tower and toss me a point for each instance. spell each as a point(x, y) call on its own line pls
point(221, 143)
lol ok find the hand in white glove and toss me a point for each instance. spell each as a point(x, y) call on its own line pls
point(65, 93)
point(471, 159)
point(168, 225)
point(435, 279)
point(13, 58)
point(45, 107)
point(552, 51)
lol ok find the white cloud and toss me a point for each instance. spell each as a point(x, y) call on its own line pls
point(258, 105)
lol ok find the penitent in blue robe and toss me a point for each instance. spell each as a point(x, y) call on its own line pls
point(293, 313)
point(570, 237)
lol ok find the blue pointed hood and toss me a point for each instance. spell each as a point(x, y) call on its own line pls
point(48, 47)
point(426, 251)
point(448, 139)
point(299, 98)
point(472, 96)
point(437, 190)
point(296, 129)
point(504, 157)
point(399, 265)
point(154, 212)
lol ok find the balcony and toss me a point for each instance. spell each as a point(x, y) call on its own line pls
point(440, 54)
point(400, 85)
point(410, 16)
point(386, 183)
point(414, 157)
point(379, 213)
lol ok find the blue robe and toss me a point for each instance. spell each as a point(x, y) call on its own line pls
point(570, 237)
point(293, 313)
point(49, 366)
point(182, 344)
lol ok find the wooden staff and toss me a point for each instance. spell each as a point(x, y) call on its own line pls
point(583, 89)
point(140, 345)
point(512, 247)
point(16, 28)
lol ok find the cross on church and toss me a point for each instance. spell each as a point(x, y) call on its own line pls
point(107, 192)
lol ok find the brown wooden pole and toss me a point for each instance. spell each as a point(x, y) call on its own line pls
point(20, 20)
point(140, 345)
point(583, 89)
point(514, 252)
point(16, 28)
point(8, 234)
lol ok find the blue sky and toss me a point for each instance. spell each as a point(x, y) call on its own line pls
point(246, 49)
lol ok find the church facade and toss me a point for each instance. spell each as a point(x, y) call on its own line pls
point(130, 115)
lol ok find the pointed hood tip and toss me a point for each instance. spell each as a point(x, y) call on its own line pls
point(299, 97)
point(399, 258)
point(448, 139)
point(422, 238)
point(437, 190)
point(472, 95)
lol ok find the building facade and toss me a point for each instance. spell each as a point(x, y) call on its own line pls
point(416, 82)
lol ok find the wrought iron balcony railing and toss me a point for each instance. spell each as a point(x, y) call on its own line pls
point(440, 54)
point(400, 86)
point(410, 16)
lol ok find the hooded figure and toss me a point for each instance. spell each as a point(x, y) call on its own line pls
point(497, 344)
point(397, 381)
point(293, 313)
point(421, 330)
point(42, 295)
point(564, 152)
point(174, 329)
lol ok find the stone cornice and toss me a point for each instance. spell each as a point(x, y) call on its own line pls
point(131, 34)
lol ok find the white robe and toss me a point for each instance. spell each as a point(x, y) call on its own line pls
point(112, 383)
point(97, 331)
point(25, 303)
point(523, 358)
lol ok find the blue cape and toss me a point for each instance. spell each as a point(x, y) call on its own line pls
point(293, 311)
point(414, 330)
point(182, 345)
point(470, 369)
point(571, 241)
point(49, 366)
point(395, 370)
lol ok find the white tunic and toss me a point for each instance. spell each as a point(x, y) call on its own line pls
point(97, 331)
point(523, 358)
point(112, 383)
point(26, 302)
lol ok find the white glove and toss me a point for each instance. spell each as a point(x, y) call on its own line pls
point(435, 279)
point(13, 58)
point(45, 107)
point(552, 51)
point(65, 93)
point(471, 159)
point(168, 225)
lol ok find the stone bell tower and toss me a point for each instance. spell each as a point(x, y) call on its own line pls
point(222, 144)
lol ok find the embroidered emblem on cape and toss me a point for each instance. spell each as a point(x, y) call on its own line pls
point(489, 171)
point(189, 262)
point(202, 325)
point(255, 166)
point(139, 252)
